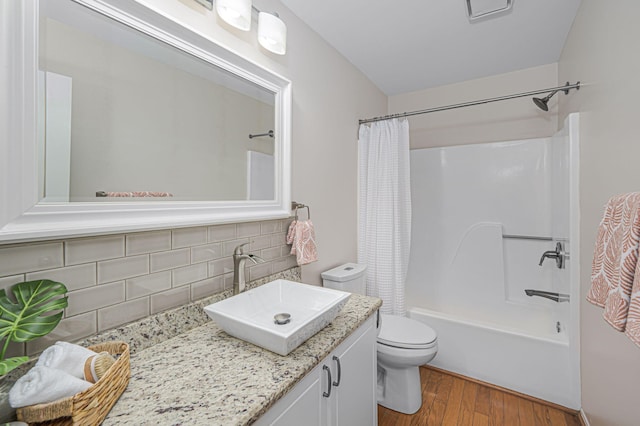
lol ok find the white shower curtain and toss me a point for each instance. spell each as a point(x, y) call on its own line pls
point(384, 229)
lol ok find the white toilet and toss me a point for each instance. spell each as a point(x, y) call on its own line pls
point(403, 345)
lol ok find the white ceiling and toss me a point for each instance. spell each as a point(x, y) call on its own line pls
point(408, 45)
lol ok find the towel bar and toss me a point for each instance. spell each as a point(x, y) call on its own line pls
point(269, 133)
point(295, 206)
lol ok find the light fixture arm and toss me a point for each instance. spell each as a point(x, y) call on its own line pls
point(258, 11)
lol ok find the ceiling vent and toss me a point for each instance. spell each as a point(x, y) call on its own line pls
point(480, 9)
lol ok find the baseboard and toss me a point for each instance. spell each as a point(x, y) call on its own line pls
point(584, 421)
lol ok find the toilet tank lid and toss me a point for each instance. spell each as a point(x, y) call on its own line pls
point(346, 272)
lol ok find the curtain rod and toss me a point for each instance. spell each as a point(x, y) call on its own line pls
point(564, 88)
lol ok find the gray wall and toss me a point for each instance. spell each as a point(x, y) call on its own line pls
point(499, 121)
point(601, 51)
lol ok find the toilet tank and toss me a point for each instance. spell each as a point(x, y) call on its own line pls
point(348, 277)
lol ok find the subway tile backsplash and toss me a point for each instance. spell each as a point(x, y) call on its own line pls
point(170, 299)
point(188, 237)
point(148, 242)
point(74, 277)
point(116, 279)
point(222, 232)
point(83, 250)
point(189, 274)
point(29, 258)
point(206, 252)
point(93, 298)
point(249, 229)
point(172, 259)
point(122, 268)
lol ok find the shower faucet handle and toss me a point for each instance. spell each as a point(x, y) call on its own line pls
point(551, 254)
point(558, 254)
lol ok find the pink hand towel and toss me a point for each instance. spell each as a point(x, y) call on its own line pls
point(302, 238)
point(139, 194)
point(615, 262)
point(291, 232)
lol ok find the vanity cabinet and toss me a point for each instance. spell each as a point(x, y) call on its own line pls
point(339, 391)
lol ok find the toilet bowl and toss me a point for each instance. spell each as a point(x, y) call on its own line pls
point(403, 345)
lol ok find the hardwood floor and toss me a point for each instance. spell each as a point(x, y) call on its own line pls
point(450, 400)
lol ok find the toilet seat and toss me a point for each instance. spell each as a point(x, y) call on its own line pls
point(405, 333)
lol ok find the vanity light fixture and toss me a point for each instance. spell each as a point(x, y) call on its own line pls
point(481, 9)
point(272, 33)
point(236, 13)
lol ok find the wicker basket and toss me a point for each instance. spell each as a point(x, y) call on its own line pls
point(91, 406)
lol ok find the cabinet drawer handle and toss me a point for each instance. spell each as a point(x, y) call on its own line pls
point(337, 360)
point(328, 370)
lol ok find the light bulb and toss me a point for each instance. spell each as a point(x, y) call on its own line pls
point(236, 13)
point(231, 13)
point(272, 33)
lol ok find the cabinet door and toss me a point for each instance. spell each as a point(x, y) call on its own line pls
point(302, 405)
point(354, 403)
point(315, 401)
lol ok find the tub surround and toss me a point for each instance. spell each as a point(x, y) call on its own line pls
point(487, 312)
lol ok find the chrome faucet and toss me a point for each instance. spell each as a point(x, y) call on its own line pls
point(239, 259)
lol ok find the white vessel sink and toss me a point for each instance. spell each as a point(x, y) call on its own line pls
point(250, 316)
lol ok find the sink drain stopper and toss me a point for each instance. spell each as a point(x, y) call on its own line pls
point(282, 318)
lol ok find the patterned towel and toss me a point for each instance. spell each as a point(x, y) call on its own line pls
point(615, 275)
point(139, 194)
point(632, 329)
point(302, 238)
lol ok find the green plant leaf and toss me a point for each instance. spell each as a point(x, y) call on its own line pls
point(11, 363)
point(32, 315)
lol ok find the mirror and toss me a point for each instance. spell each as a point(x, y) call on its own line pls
point(140, 124)
point(125, 114)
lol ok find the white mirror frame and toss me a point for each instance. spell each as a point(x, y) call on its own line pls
point(23, 218)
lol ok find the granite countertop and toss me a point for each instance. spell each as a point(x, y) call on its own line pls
point(205, 377)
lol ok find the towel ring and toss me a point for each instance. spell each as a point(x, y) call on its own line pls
point(297, 206)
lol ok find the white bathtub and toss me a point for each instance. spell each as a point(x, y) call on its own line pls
point(482, 216)
point(536, 365)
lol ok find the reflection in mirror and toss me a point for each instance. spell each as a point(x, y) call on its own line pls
point(124, 114)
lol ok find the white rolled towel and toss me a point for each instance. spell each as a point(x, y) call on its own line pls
point(67, 357)
point(42, 384)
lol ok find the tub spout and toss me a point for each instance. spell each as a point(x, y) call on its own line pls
point(556, 297)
